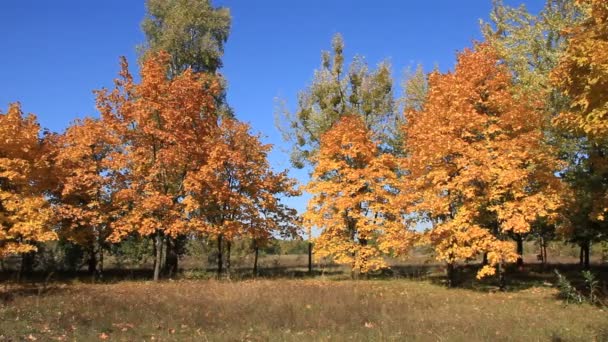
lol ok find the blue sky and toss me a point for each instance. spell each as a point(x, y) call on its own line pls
point(54, 53)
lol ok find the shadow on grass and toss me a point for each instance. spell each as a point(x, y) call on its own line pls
point(531, 275)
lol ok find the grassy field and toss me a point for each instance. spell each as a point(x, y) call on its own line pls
point(292, 310)
point(407, 302)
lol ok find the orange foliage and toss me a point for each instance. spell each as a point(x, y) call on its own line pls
point(24, 212)
point(478, 161)
point(235, 193)
point(165, 127)
point(85, 183)
point(582, 74)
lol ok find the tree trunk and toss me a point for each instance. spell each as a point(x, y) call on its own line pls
point(587, 247)
point(92, 262)
point(484, 261)
point(154, 252)
point(545, 259)
point(310, 258)
point(256, 251)
point(502, 284)
point(27, 264)
point(220, 259)
point(171, 258)
point(581, 255)
point(520, 250)
point(228, 248)
point(158, 258)
point(451, 274)
point(100, 275)
point(543, 252)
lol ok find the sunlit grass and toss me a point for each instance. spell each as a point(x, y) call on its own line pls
point(295, 310)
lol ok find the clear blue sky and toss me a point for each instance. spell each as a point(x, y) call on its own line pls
point(54, 53)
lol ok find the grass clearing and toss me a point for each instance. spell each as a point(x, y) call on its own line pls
point(294, 310)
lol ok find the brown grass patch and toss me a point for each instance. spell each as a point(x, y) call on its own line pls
point(294, 310)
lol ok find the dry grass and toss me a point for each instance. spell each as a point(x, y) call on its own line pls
point(294, 310)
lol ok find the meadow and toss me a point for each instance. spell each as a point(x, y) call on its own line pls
point(285, 303)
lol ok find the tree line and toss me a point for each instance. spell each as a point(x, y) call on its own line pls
point(510, 144)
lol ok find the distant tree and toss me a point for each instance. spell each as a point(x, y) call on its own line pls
point(25, 213)
point(336, 92)
point(353, 188)
point(236, 194)
point(532, 45)
point(415, 91)
point(192, 31)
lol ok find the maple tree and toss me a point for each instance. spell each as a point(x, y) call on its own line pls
point(85, 187)
point(353, 188)
point(478, 161)
point(530, 45)
point(25, 213)
point(235, 193)
point(164, 126)
point(194, 33)
point(581, 75)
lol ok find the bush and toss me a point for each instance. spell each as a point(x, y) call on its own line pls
point(569, 293)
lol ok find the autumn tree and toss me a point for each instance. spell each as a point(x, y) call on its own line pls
point(581, 75)
point(86, 184)
point(353, 188)
point(478, 161)
point(25, 213)
point(194, 33)
point(335, 92)
point(236, 194)
point(165, 126)
point(530, 45)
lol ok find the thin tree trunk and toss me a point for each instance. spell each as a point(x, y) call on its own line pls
point(171, 258)
point(586, 255)
point(484, 261)
point(159, 249)
point(545, 259)
point(581, 255)
point(520, 250)
point(543, 253)
point(154, 252)
point(228, 249)
point(309, 257)
point(27, 264)
point(220, 260)
point(30, 258)
point(256, 251)
point(502, 284)
point(100, 262)
point(92, 262)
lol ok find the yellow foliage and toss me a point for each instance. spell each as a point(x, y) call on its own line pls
point(24, 212)
point(354, 203)
point(478, 162)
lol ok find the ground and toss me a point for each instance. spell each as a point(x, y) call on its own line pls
point(285, 303)
point(292, 310)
